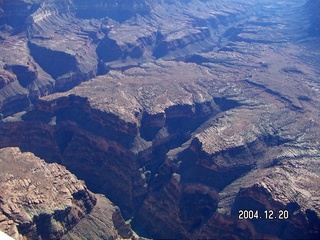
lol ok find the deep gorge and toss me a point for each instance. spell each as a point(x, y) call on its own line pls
point(179, 113)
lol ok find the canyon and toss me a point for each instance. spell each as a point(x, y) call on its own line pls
point(159, 119)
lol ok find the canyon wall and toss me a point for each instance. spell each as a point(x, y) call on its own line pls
point(45, 201)
point(185, 114)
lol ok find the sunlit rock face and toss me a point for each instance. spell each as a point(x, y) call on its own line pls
point(45, 201)
point(39, 200)
point(185, 114)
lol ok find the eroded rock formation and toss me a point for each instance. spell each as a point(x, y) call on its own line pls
point(45, 201)
point(39, 200)
point(194, 111)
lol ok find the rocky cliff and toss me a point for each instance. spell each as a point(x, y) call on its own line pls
point(188, 115)
point(60, 44)
point(46, 201)
point(39, 200)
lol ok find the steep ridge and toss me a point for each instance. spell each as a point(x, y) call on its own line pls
point(38, 200)
point(193, 119)
point(46, 201)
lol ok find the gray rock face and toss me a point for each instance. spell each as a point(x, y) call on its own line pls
point(188, 115)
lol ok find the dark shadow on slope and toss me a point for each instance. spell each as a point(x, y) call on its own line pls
point(191, 172)
point(23, 73)
point(226, 104)
point(55, 63)
point(108, 50)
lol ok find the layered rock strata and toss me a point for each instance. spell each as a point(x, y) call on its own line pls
point(190, 146)
point(45, 201)
point(202, 110)
point(39, 200)
point(59, 44)
point(104, 221)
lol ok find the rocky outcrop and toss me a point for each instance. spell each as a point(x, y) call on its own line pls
point(201, 149)
point(39, 200)
point(58, 143)
point(201, 110)
point(15, 13)
point(39, 65)
point(45, 201)
point(105, 133)
point(183, 208)
point(61, 44)
point(104, 220)
point(23, 80)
